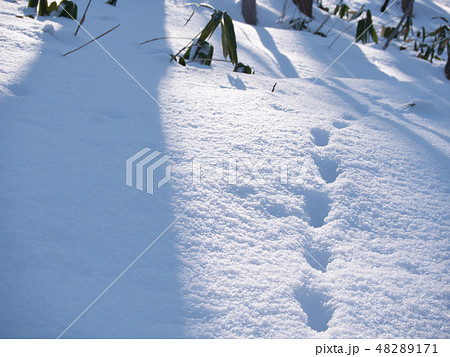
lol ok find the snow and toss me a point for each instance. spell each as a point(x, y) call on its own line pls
point(355, 247)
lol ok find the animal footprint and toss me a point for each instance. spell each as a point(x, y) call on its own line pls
point(340, 124)
point(315, 306)
point(317, 258)
point(320, 136)
point(283, 209)
point(317, 207)
point(328, 168)
point(277, 210)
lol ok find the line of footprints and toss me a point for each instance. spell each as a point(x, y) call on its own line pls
point(317, 206)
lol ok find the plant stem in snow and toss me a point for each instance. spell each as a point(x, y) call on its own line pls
point(208, 59)
point(323, 23)
point(163, 38)
point(189, 43)
point(83, 18)
point(93, 40)
point(340, 35)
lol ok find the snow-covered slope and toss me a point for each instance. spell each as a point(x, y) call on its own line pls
point(356, 247)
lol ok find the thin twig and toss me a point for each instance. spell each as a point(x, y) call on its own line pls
point(95, 39)
point(207, 59)
point(198, 6)
point(163, 38)
point(323, 23)
point(439, 41)
point(189, 43)
point(331, 44)
point(331, 27)
point(83, 18)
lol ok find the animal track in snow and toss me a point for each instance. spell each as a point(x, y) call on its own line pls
point(318, 258)
point(328, 168)
point(340, 124)
point(314, 304)
point(317, 207)
point(320, 136)
point(317, 203)
point(277, 210)
point(283, 209)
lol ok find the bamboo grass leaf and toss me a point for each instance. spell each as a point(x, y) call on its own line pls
point(33, 3)
point(69, 9)
point(440, 17)
point(225, 49)
point(230, 37)
point(43, 8)
point(52, 7)
point(372, 31)
point(211, 26)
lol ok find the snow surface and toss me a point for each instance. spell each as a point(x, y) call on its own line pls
point(357, 248)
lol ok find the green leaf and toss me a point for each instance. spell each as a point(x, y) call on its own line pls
point(372, 31)
point(365, 28)
point(336, 9)
point(440, 17)
point(360, 31)
point(387, 32)
point(225, 50)
point(209, 56)
point(188, 53)
point(33, 3)
point(427, 53)
point(181, 61)
point(407, 28)
point(242, 68)
point(69, 9)
point(343, 11)
point(43, 8)
point(52, 7)
point(211, 26)
point(230, 38)
point(200, 50)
